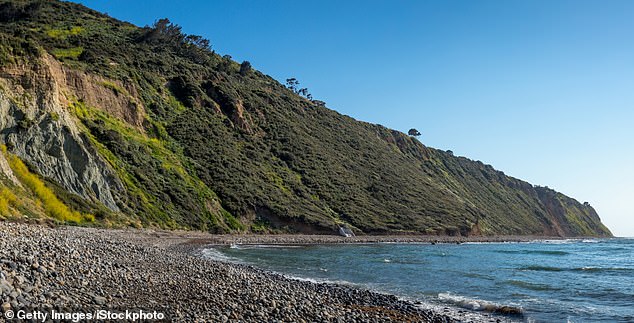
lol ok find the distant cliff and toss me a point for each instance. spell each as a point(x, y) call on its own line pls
point(149, 127)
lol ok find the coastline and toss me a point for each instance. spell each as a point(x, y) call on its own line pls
point(90, 269)
point(307, 239)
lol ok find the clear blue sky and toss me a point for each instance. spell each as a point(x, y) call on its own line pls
point(542, 90)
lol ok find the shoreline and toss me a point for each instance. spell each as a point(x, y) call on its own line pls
point(451, 312)
point(46, 267)
point(193, 240)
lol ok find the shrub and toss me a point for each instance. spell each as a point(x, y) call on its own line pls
point(64, 33)
point(72, 53)
point(245, 68)
point(116, 89)
point(52, 205)
point(4, 207)
point(7, 199)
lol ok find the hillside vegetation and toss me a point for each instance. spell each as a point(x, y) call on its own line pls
point(181, 137)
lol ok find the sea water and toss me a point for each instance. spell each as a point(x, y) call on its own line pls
point(589, 280)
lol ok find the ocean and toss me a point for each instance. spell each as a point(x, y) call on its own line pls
point(590, 280)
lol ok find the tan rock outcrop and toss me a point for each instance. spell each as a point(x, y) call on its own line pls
point(36, 125)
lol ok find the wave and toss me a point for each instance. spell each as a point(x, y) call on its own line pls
point(303, 279)
point(217, 255)
point(264, 246)
point(572, 240)
point(480, 305)
point(603, 269)
point(535, 252)
point(541, 268)
point(491, 242)
point(556, 241)
point(611, 295)
point(531, 286)
point(479, 276)
point(579, 269)
point(321, 280)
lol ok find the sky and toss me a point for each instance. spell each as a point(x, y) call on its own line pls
point(542, 90)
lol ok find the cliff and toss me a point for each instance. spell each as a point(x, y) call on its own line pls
point(149, 127)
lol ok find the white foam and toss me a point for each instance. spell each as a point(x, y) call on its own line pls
point(561, 241)
point(464, 302)
point(264, 246)
point(491, 242)
point(217, 255)
point(457, 312)
point(317, 280)
point(473, 304)
point(303, 279)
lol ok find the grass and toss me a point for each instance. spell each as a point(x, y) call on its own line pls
point(154, 145)
point(165, 192)
point(7, 199)
point(232, 221)
point(178, 106)
point(52, 205)
point(114, 88)
point(64, 33)
point(68, 53)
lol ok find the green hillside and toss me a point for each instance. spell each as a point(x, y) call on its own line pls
point(150, 127)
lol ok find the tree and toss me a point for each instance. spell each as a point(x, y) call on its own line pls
point(164, 31)
point(245, 68)
point(225, 63)
point(413, 132)
point(198, 41)
point(319, 103)
point(10, 11)
point(292, 84)
point(303, 92)
point(197, 48)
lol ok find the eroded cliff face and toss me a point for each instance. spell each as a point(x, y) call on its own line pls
point(37, 126)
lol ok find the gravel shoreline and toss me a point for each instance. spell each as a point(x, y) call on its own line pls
point(333, 239)
point(85, 269)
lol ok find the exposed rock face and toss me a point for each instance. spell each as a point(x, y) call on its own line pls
point(6, 171)
point(568, 215)
point(111, 96)
point(36, 125)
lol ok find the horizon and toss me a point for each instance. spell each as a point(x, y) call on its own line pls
point(525, 87)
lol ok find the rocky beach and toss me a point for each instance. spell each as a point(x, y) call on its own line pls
point(86, 270)
point(148, 175)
